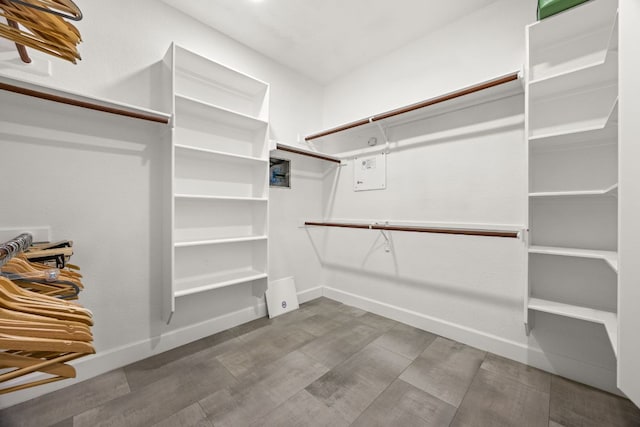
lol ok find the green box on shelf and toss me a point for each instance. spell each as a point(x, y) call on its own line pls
point(546, 8)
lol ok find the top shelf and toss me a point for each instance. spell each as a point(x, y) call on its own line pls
point(583, 19)
point(497, 88)
point(213, 83)
point(213, 73)
point(77, 100)
point(572, 42)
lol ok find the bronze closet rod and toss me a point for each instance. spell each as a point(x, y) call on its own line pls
point(82, 104)
point(465, 232)
point(462, 92)
point(305, 153)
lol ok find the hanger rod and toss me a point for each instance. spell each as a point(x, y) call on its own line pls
point(307, 153)
point(460, 231)
point(429, 102)
point(82, 104)
point(14, 246)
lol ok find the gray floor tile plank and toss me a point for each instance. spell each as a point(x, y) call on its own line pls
point(262, 391)
point(574, 404)
point(347, 394)
point(375, 362)
point(160, 399)
point(402, 404)
point(231, 407)
point(66, 423)
point(191, 416)
point(352, 386)
point(445, 370)
point(257, 351)
point(302, 409)
point(494, 400)
point(554, 424)
point(321, 324)
point(377, 322)
point(528, 375)
point(147, 371)
point(286, 376)
point(251, 326)
point(406, 340)
point(59, 406)
point(338, 345)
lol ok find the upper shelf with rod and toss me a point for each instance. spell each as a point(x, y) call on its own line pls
point(465, 231)
point(275, 145)
point(77, 100)
point(490, 90)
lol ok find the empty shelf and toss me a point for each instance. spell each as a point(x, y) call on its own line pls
point(207, 197)
point(214, 113)
point(606, 318)
point(194, 285)
point(192, 64)
point(610, 191)
point(221, 155)
point(591, 75)
point(219, 241)
point(610, 257)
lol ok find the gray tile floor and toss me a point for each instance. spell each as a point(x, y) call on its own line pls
point(326, 364)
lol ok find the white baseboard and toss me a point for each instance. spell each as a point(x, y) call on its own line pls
point(309, 294)
point(105, 361)
point(576, 370)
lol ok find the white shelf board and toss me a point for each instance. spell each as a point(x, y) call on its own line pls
point(572, 24)
point(610, 257)
point(606, 128)
point(213, 73)
point(209, 242)
point(221, 155)
point(599, 73)
point(606, 318)
point(209, 197)
point(75, 96)
point(610, 191)
point(214, 113)
point(194, 285)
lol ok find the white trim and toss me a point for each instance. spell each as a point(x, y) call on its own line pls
point(309, 294)
point(596, 376)
point(106, 361)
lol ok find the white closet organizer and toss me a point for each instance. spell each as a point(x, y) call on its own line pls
point(572, 108)
point(219, 176)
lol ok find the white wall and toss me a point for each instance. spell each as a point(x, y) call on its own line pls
point(463, 167)
point(95, 179)
point(478, 47)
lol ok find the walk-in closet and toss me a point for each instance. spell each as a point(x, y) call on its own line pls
point(295, 213)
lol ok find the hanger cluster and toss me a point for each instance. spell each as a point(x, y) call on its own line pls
point(40, 328)
point(42, 25)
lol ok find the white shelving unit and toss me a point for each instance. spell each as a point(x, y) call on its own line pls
point(219, 176)
point(572, 129)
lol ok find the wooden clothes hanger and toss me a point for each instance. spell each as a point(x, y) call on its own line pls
point(64, 8)
point(12, 300)
point(46, 30)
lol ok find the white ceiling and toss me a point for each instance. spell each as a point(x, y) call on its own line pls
point(324, 39)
